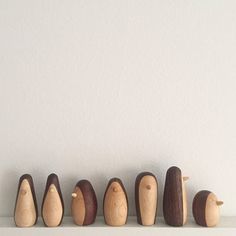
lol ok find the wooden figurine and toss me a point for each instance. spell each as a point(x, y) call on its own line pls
point(115, 203)
point(174, 199)
point(84, 203)
point(206, 208)
point(26, 210)
point(53, 205)
point(146, 196)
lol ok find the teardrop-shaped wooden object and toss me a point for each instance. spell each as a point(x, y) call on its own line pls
point(174, 199)
point(206, 210)
point(84, 203)
point(146, 197)
point(26, 210)
point(115, 203)
point(53, 205)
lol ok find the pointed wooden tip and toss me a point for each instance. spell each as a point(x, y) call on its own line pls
point(185, 178)
point(74, 195)
point(219, 203)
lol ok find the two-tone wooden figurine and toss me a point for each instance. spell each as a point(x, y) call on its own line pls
point(53, 206)
point(115, 203)
point(175, 199)
point(26, 210)
point(84, 203)
point(146, 198)
point(206, 210)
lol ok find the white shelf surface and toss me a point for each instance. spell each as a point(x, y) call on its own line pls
point(226, 227)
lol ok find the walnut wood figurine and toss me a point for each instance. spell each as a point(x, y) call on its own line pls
point(115, 203)
point(52, 206)
point(206, 208)
point(26, 211)
point(84, 203)
point(146, 190)
point(174, 200)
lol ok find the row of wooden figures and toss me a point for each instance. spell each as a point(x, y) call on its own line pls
point(115, 203)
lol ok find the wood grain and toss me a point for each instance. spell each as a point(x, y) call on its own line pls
point(212, 213)
point(206, 208)
point(199, 207)
point(84, 203)
point(115, 203)
point(53, 205)
point(78, 207)
point(26, 211)
point(174, 200)
point(184, 195)
point(146, 192)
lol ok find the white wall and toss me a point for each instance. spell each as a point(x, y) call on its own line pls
point(97, 89)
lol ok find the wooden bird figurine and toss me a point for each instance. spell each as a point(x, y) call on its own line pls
point(26, 210)
point(53, 205)
point(174, 199)
point(206, 210)
point(115, 203)
point(146, 197)
point(84, 203)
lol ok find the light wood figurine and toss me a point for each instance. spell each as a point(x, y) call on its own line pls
point(53, 206)
point(115, 203)
point(146, 197)
point(26, 210)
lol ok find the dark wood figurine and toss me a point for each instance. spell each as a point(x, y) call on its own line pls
point(53, 205)
point(26, 210)
point(206, 208)
point(146, 197)
point(115, 203)
point(174, 200)
point(84, 203)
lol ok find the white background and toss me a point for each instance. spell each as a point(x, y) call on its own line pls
point(97, 89)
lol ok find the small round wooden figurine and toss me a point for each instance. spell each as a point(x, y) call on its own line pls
point(53, 205)
point(26, 210)
point(115, 203)
point(174, 200)
point(146, 190)
point(84, 203)
point(206, 210)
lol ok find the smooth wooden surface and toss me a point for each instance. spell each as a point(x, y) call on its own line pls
point(206, 208)
point(52, 208)
point(226, 227)
point(115, 205)
point(185, 204)
point(78, 207)
point(147, 199)
point(199, 207)
point(84, 203)
point(212, 213)
point(25, 210)
point(174, 198)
